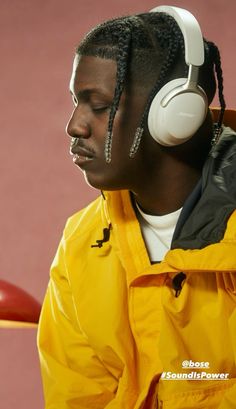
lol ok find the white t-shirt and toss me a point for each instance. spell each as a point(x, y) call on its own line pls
point(157, 232)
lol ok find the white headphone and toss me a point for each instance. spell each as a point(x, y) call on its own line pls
point(180, 107)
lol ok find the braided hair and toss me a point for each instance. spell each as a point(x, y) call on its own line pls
point(147, 48)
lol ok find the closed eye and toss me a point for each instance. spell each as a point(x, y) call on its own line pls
point(100, 109)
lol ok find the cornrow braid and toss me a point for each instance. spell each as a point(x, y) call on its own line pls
point(122, 63)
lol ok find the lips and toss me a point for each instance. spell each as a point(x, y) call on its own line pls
point(81, 154)
point(81, 160)
point(82, 157)
point(78, 147)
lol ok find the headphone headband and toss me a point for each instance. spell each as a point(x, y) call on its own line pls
point(179, 108)
point(193, 40)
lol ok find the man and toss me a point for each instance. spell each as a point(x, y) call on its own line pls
point(144, 281)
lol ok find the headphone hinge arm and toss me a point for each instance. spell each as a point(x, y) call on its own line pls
point(190, 85)
point(192, 80)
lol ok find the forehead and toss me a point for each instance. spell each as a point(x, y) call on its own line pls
point(91, 72)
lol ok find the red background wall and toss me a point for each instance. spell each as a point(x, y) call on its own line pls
point(39, 185)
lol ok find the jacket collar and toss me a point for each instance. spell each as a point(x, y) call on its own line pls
point(127, 241)
point(214, 199)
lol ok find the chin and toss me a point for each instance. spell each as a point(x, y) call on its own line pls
point(103, 183)
point(95, 182)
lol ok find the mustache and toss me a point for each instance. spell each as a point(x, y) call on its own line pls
point(79, 143)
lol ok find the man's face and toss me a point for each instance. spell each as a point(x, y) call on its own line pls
point(92, 86)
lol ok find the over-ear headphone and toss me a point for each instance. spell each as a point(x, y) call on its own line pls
point(180, 107)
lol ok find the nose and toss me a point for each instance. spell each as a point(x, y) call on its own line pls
point(78, 125)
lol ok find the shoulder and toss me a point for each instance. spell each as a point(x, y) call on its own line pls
point(85, 220)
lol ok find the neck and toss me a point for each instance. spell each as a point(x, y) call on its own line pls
point(167, 193)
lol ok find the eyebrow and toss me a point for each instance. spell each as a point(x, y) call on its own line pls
point(90, 91)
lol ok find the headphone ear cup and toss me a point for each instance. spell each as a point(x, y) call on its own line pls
point(183, 115)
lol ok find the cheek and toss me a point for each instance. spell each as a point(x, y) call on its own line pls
point(122, 172)
point(129, 116)
point(123, 135)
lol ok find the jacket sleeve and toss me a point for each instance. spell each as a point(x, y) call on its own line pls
point(72, 374)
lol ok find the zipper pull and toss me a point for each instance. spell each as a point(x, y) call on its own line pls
point(106, 237)
point(177, 283)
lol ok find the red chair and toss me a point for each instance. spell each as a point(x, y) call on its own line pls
point(17, 307)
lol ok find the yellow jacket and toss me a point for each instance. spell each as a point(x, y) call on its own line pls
point(111, 324)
